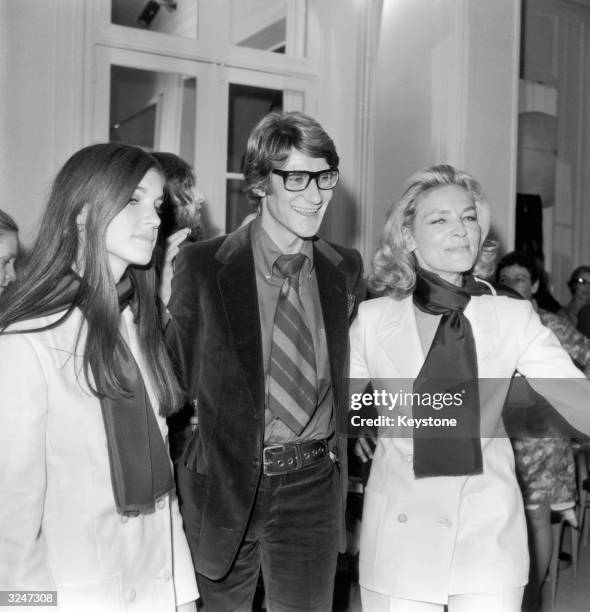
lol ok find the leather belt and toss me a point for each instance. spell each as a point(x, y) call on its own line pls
point(284, 458)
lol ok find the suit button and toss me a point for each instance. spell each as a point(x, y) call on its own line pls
point(123, 518)
point(131, 595)
point(446, 523)
point(161, 503)
point(402, 518)
point(409, 458)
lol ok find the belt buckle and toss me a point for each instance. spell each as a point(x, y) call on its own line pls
point(268, 462)
point(282, 469)
point(270, 449)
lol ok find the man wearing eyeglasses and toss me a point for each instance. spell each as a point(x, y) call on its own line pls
point(260, 332)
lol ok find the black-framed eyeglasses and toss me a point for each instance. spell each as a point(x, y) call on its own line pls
point(583, 281)
point(299, 180)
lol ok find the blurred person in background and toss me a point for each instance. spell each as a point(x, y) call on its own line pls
point(180, 216)
point(544, 458)
point(579, 285)
point(8, 249)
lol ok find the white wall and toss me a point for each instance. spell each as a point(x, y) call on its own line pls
point(41, 113)
point(446, 90)
point(339, 108)
point(28, 107)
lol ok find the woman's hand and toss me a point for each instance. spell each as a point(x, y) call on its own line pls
point(364, 446)
point(172, 247)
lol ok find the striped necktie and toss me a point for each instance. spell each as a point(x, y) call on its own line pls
point(292, 391)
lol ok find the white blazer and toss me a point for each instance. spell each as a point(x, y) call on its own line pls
point(427, 538)
point(59, 528)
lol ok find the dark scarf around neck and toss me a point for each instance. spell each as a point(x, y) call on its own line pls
point(450, 367)
point(138, 458)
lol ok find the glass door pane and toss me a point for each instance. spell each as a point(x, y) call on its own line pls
point(154, 110)
point(247, 105)
point(178, 18)
point(277, 26)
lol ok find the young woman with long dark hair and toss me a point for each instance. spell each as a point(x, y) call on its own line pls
point(88, 506)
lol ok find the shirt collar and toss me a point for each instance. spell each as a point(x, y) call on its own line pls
point(267, 252)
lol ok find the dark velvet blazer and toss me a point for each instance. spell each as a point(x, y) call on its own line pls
point(214, 336)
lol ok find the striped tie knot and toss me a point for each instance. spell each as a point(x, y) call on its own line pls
point(290, 265)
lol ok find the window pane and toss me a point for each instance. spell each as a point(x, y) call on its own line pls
point(247, 105)
point(268, 25)
point(238, 207)
point(166, 16)
point(145, 108)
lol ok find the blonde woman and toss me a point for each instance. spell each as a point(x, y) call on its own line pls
point(443, 520)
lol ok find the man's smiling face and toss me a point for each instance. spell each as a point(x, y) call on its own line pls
point(289, 217)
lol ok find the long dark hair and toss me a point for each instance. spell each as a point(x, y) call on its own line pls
point(99, 180)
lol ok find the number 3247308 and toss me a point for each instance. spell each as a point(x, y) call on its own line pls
point(28, 598)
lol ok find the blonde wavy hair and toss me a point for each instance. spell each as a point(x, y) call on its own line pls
point(393, 266)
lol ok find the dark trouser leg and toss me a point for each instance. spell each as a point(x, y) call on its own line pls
point(299, 541)
point(235, 592)
point(293, 535)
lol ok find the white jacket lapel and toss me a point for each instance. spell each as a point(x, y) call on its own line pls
point(484, 323)
point(400, 340)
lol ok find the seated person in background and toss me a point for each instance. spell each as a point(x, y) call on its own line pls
point(521, 272)
point(8, 249)
point(544, 299)
point(180, 216)
point(544, 459)
point(579, 285)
